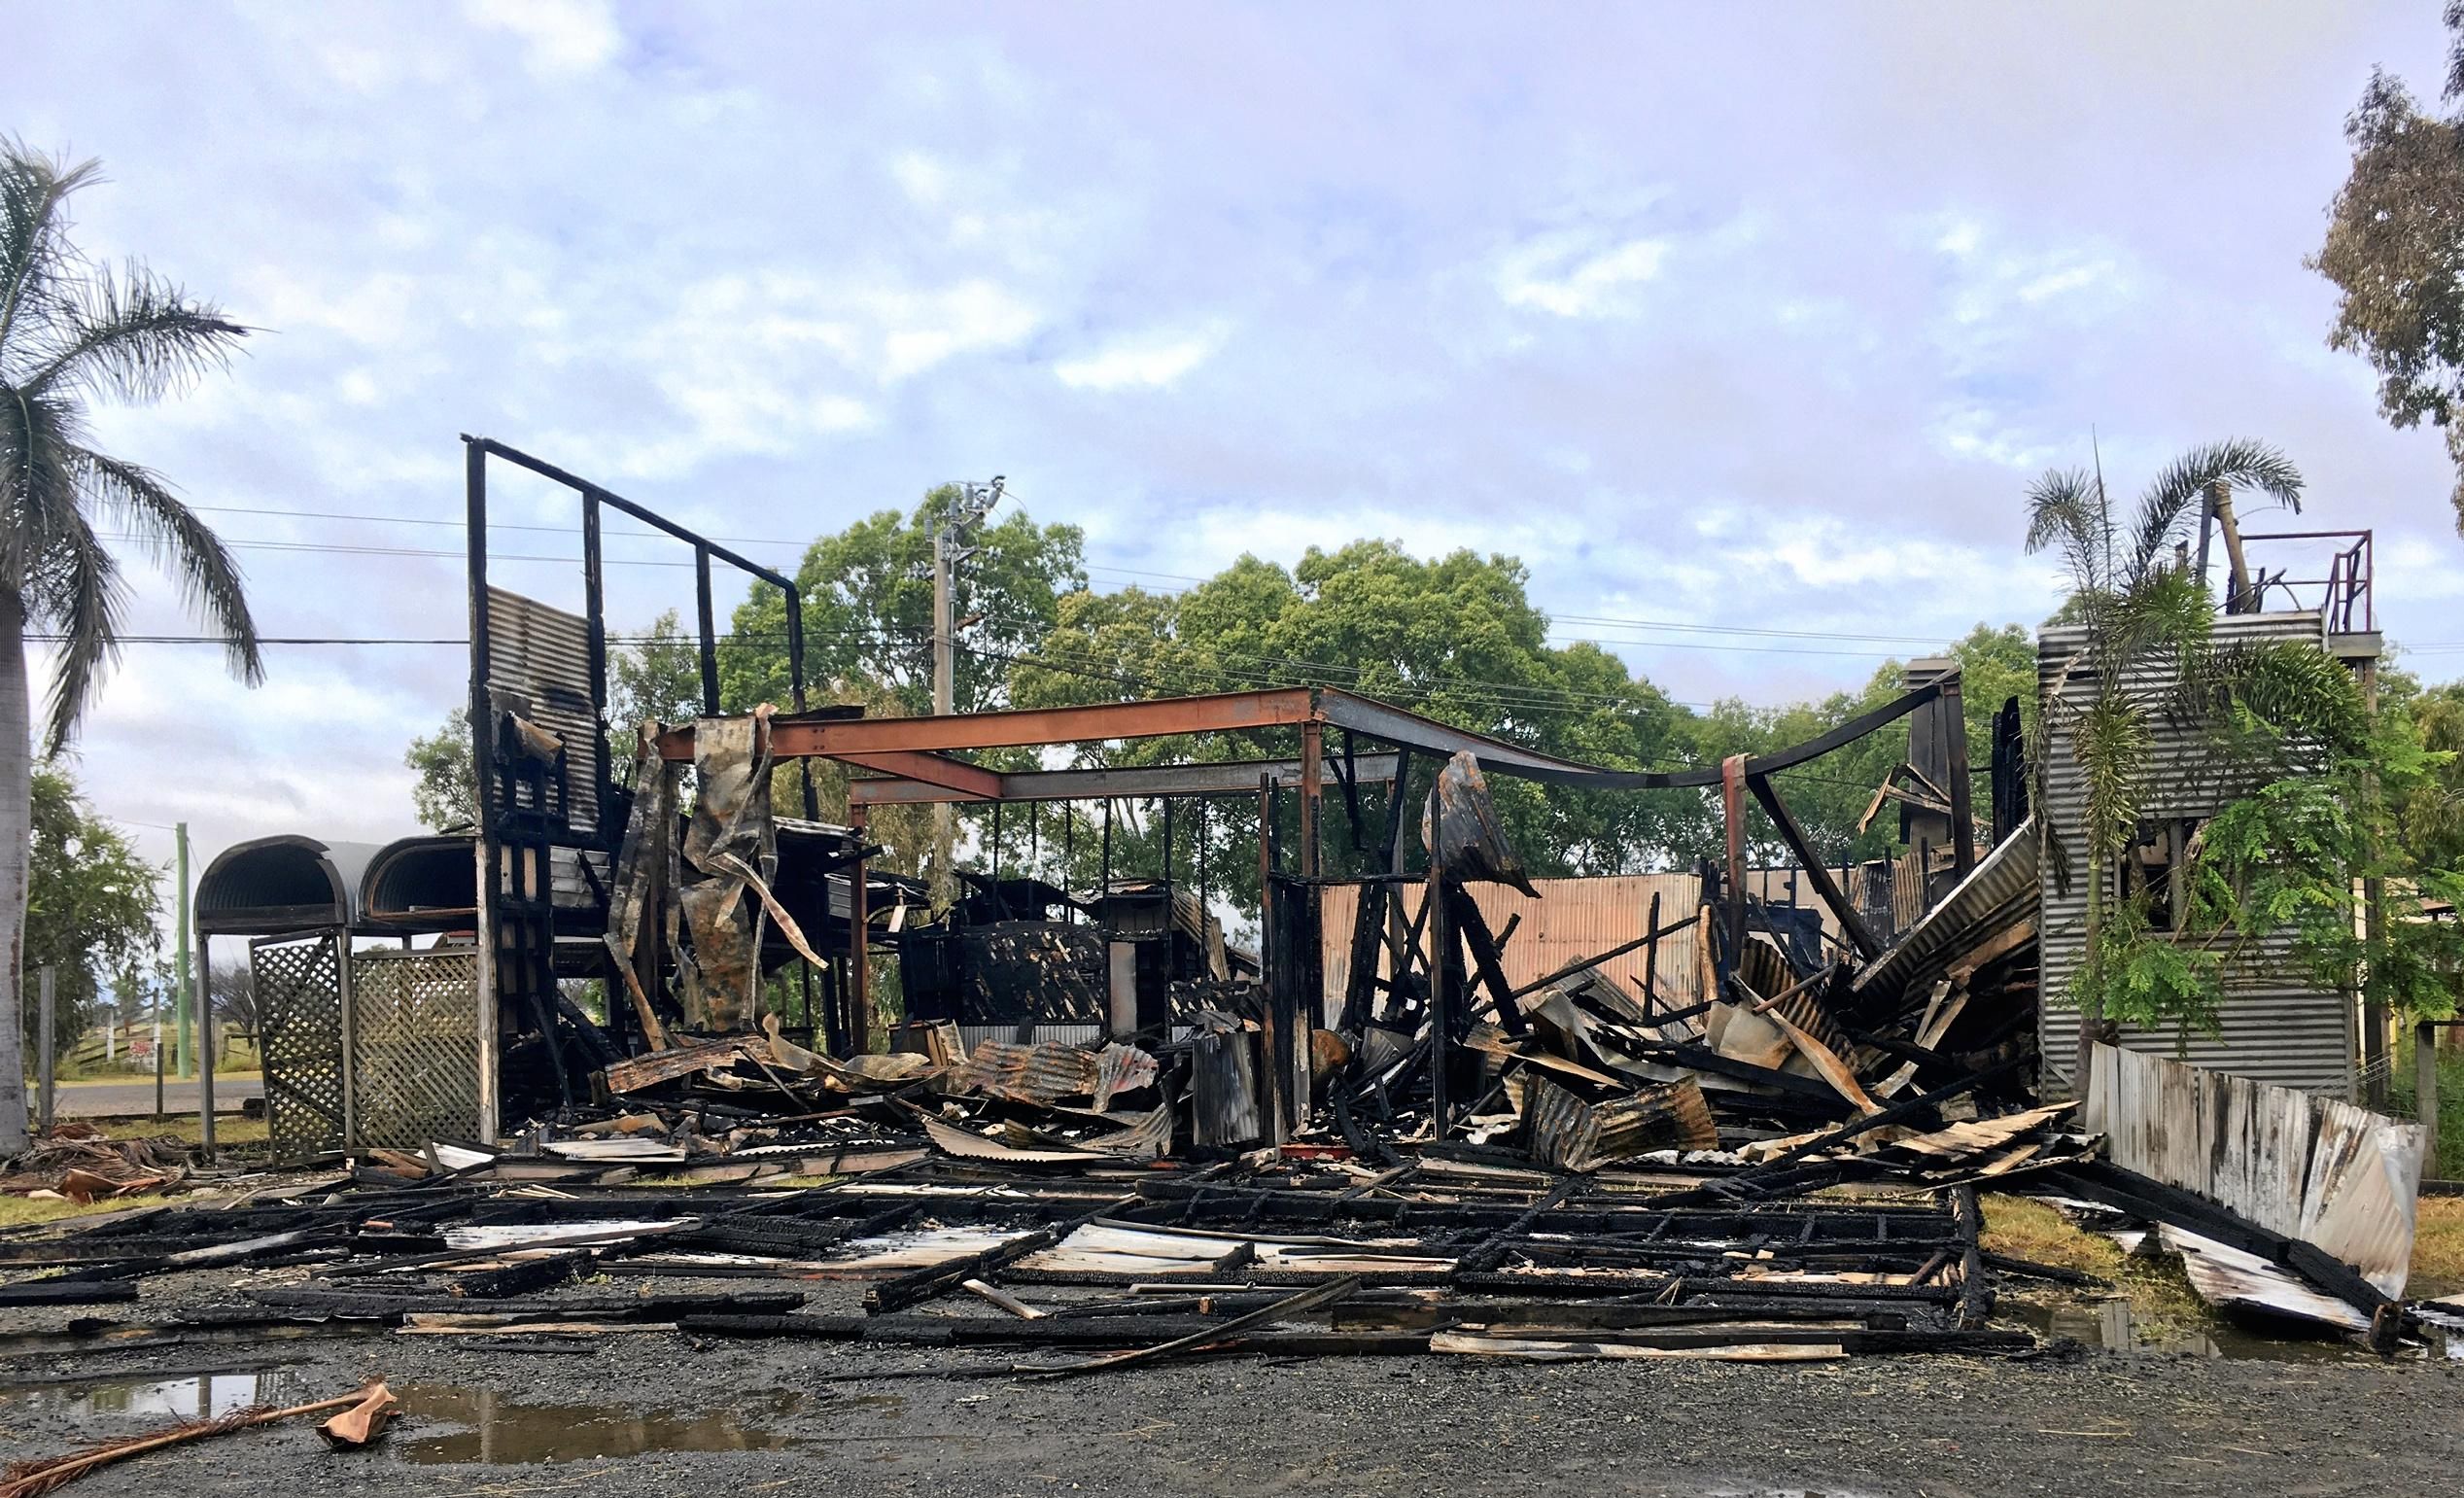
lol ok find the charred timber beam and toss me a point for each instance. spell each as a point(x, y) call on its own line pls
point(1826, 888)
point(1962, 816)
point(1463, 913)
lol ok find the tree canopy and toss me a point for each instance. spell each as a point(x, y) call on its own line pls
point(867, 594)
point(2394, 253)
point(92, 907)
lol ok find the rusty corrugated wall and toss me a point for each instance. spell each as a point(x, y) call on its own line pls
point(1572, 918)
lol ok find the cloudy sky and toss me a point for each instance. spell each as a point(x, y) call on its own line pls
point(1753, 321)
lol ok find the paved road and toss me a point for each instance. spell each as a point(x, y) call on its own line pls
point(105, 1100)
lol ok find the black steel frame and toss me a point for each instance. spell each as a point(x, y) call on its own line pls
point(529, 955)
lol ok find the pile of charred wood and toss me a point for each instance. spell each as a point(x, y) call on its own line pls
point(1450, 1253)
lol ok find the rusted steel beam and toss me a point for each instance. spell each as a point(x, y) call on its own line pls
point(1230, 777)
point(948, 780)
point(1393, 725)
point(1164, 717)
point(1312, 788)
point(1859, 936)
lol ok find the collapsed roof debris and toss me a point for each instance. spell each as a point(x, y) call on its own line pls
point(1738, 1126)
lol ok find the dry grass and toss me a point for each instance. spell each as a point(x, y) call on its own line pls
point(2437, 1248)
point(2163, 1304)
point(18, 1212)
point(231, 1131)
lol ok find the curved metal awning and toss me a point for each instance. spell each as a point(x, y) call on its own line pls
point(421, 884)
point(287, 882)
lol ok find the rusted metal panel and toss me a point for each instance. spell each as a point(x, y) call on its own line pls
point(1162, 717)
point(542, 655)
point(1029, 1073)
point(1571, 919)
point(2316, 1169)
point(2275, 1024)
point(1574, 1133)
point(1224, 1087)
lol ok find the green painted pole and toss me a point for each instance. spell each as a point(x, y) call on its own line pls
point(180, 958)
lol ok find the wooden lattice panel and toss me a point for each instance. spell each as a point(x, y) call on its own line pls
point(415, 1046)
point(299, 1035)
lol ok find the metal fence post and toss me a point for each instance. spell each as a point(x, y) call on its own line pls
point(46, 1034)
point(205, 1050)
point(2426, 1084)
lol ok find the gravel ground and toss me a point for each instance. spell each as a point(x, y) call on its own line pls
point(656, 1413)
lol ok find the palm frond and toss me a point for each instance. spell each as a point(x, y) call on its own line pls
point(208, 575)
point(133, 336)
point(38, 489)
point(2064, 511)
point(79, 591)
point(32, 189)
point(2166, 507)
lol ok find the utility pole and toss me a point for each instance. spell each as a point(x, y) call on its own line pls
point(180, 958)
point(952, 529)
point(50, 1037)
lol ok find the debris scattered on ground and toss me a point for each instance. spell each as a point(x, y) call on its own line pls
point(31, 1478)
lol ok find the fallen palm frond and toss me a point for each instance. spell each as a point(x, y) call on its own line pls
point(31, 1478)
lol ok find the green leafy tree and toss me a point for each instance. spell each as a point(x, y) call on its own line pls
point(92, 905)
point(657, 676)
point(1456, 638)
point(74, 330)
point(445, 797)
point(2395, 254)
point(867, 593)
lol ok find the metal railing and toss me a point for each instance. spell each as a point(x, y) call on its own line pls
point(2346, 595)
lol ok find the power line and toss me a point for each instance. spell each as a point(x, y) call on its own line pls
point(1686, 626)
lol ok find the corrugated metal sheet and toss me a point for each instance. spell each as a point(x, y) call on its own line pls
point(974, 1036)
point(1982, 903)
point(2274, 1024)
point(2315, 1169)
point(1575, 1134)
point(1044, 1072)
point(542, 655)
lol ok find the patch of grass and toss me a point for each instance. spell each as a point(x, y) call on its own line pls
point(18, 1212)
point(2438, 1247)
point(2162, 1306)
point(230, 1129)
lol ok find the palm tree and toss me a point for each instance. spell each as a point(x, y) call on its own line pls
point(2139, 601)
point(71, 329)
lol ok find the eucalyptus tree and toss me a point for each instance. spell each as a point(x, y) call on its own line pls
point(75, 330)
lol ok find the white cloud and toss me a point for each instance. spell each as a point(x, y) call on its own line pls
point(1576, 276)
point(561, 38)
point(1152, 361)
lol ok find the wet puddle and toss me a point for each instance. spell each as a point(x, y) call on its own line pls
point(509, 1432)
point(449, 1423)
